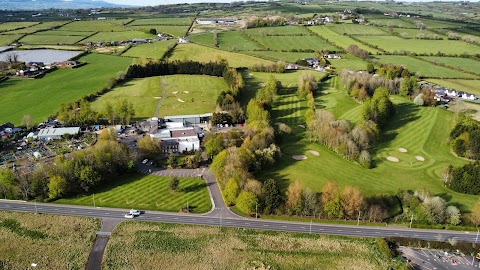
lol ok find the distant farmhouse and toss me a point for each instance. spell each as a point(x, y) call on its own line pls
point(216, 21)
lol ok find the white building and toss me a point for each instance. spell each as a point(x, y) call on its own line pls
point(56, 133)
point(177, 140)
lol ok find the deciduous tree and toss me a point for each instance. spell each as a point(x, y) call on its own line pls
point(294, 197)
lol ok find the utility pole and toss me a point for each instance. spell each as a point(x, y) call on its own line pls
point(358, 219)
point(476, 238)
point(411, 220)
point(256, 210)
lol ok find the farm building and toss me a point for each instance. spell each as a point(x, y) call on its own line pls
point(190, 120)
point(216, 20)
point(56, 133)
point(178, 139)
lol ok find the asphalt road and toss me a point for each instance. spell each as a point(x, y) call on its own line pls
point(240, 222)
point(428, 259)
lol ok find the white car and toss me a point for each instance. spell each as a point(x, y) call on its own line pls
point(129, 215)
point(145, 161)
point(135, 213)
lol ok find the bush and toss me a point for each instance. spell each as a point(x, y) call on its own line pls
point(246, 202)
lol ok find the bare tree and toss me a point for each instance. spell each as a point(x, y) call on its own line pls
point(27, 121)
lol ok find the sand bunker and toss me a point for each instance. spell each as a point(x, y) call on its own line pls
point(313, 152)
point(393, 159)
point(403, 150)
point(179, 100)
point(186, 92)
point(420, 158)
point(157, 97)
point(299, 157)
point(175, 92)
point(302, 126)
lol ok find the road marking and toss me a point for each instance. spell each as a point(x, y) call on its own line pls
point(89, 212)
point(358, 231)
point(265, 225)
point(175, 218)
point(107, 213)
point(284, 226)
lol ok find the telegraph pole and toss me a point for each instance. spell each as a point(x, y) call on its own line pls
point(358, 219)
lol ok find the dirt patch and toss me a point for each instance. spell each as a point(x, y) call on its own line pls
point(420, 158)
point(299, 157)
point(186, 92)
point(179, 100)
point(393, 159)
point(403, 150)
point(313, 152)
point(175, 92)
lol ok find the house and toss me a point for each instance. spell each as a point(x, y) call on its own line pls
point(182, 40)
point(216, 20)
point(139, 41)
point(175, 140)
point(70, 64)
point(56, 133)
point(332, 56)
point(291, 67)
point(329, 19)
point(312, 61)
point(451, 93)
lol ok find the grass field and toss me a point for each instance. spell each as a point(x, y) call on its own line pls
point(291, 57)
point(50, 40)
point(348, 61)
point(101, 26)
point(200, 53)
point(280, 30)
point(7, 39)
point(422, 131)
point(442, 24)
point(7, 26)
point(162, 21)
point(36, 27)
point(423, 68)
point(41, 97)
point(470, 86)
point(466, 64)
point(393, 22)
point(149, 192)
point(412, 33)
point(203, 39)
point(154, 50)
point(50, 241)
point(392, 43)
point(356, 29)
point(339, 40)
point(279, 43)
point(65, 33)
point(174, 30)
point(233, 41)
point(119, 36)
point(202, 247)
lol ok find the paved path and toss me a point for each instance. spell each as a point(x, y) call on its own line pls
point(429, 259)
point(96, 254)
point(237, 222)
point(162, 98)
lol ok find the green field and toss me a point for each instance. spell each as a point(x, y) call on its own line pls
point(149, 192)
point(412, 33)
point(423, 68)
point(101, 26)
point(470, 86)
point(279, 43)
point(174, 30)
point(348, 61)
point(65, 33)
point(119, 36)
point(291, 57)
point(203, 39)
point(339, 40)
point(356, 29)
point(162, 21)
point(466, 64)
point(7, 39)
point(392, 44)
point(7, 26)
point(50, 40)
point(50, 241)
point(37, 27)
point(279, 30)
point(154, 50)
point(203, 247)
point(41, 97)
point(442, 24)
point(200, 53)
point(233, 41)
point(393, 22)
point(422, 131)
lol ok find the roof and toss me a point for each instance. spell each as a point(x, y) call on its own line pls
point(58, 131)
point(188, 116)
point(215, 19)
point(177, 133)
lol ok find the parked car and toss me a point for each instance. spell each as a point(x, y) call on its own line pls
point(129, 215)
point(135, 213)
point(145, 161)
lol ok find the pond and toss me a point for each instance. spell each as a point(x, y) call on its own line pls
point(46, 56)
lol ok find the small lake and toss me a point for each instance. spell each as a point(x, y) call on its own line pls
point(46, 56)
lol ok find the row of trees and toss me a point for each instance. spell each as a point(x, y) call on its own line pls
point(464, 179)
point(379, 108)
point(75, 173)
point(465, 137)
point(362, 85)
point(151, 69)
point(277, 67)
point(259, 22)
point(357, 51)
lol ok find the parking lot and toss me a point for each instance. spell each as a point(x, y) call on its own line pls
point(427, 259)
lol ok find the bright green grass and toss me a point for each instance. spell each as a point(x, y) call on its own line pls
point(422, 131)
point(393, 23)
point(201, 97)
point(65, 33)
point(470, 86)
point(424, 69)
point(36, 27)
point(348, 61)
point(203, 39)
point(466, 64)
point(332, 97)
point(7, 39)
point(339, 40)
point(149, 192)
point(41, 98)
point(102, 26)
point(356, 29)
point(49, 40)
point(213, 247)
point(412, 33)
point(392, 43)
point(200, 53)
point(119, 36)
point(154, 50)
point(279, 30)
point(283, 56)
point(7, 26)
point(294, 42)
point(162, 21)
point(442, 24)
point(174, 30)
point(233, 41)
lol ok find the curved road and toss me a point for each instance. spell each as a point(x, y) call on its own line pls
point(240, 222)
